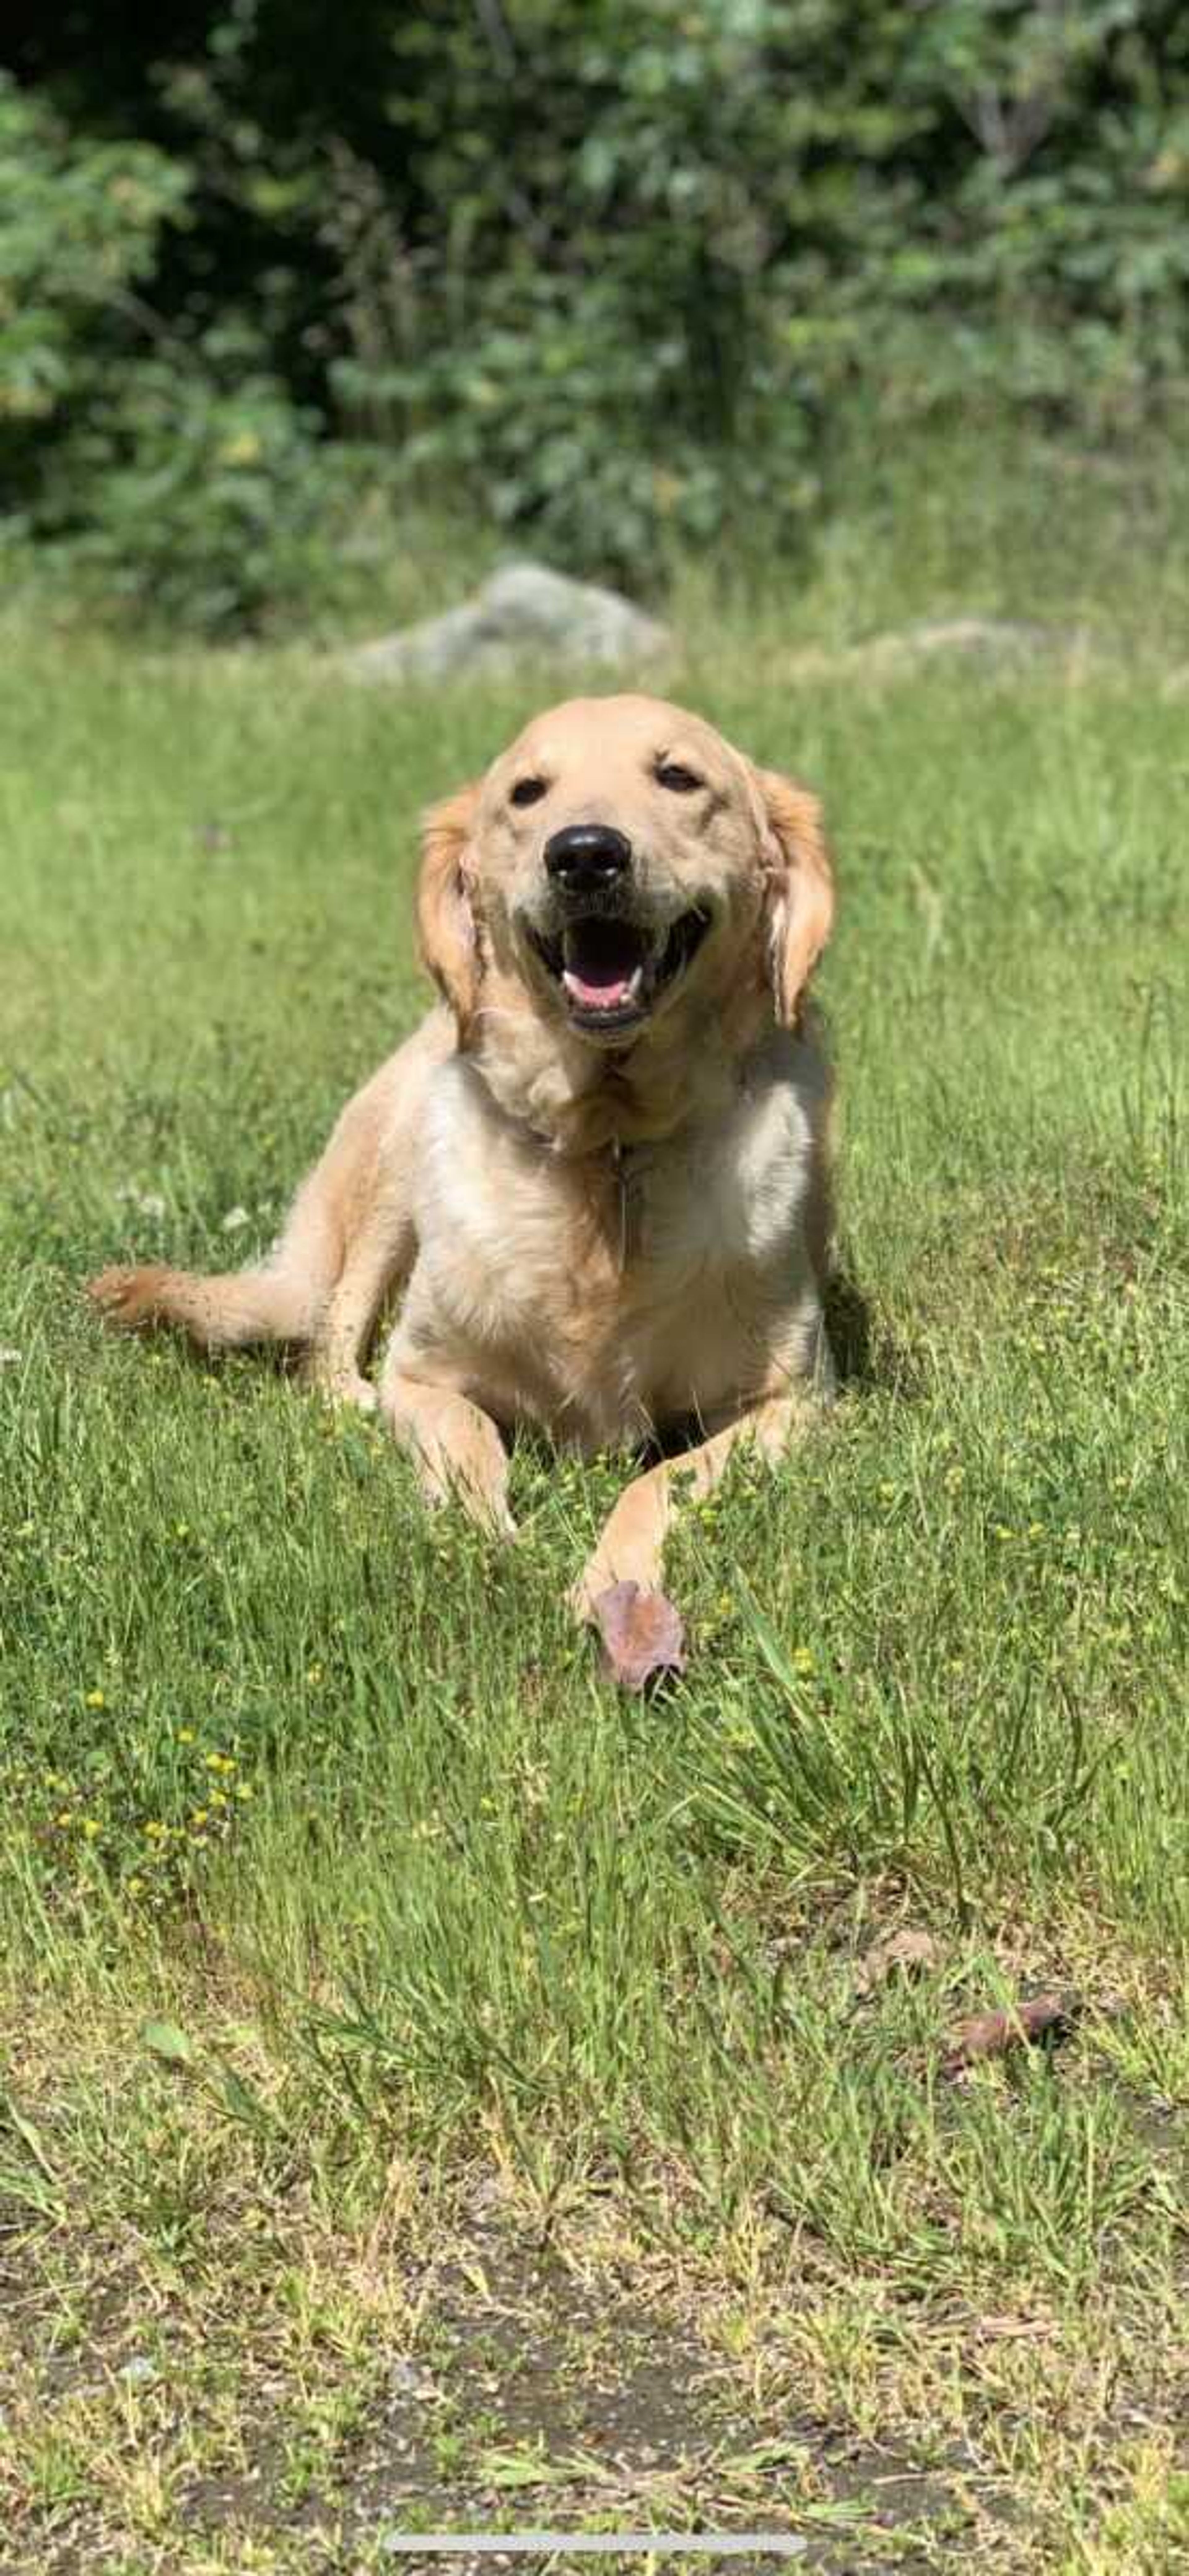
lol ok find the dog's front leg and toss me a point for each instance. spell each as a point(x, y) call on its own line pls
point(376, 1265)
point(456, 1448)
point(632, 1541)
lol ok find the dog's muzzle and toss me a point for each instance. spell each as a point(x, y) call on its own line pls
point(609, 965)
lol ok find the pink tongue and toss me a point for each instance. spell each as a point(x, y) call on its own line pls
point(600, 964)
point(600, 987)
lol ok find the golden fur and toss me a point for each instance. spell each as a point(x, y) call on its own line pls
point(609, 1236)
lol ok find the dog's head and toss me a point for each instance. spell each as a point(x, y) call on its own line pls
point(619, 870)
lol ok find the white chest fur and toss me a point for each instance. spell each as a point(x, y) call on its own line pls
point(608, 1294)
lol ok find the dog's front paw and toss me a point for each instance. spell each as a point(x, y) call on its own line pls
point(583, 1597)
point(445, 1486)
point(619, 1570)
point(643, 1635)
point(340, 1386)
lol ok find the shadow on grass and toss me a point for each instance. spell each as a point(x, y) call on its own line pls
point(866, 1354)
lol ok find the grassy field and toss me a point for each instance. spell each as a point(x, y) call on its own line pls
point(436, 2089)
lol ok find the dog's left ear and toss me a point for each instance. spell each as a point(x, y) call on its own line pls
point(799, 904)
point(445, 921)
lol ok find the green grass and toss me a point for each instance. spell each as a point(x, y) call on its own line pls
point(330, 1797)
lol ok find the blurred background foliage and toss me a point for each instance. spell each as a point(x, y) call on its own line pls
point(612, 276)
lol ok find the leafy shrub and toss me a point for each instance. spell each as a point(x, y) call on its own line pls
point(611, 270)
point(556, 418)
point(208, 494)
point(171, 472)
point(80, 227)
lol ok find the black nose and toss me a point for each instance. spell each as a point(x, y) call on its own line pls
point(586, 858)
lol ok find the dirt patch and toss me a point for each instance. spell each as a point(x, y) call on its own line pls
point(536, 2403)
point(523, 2398)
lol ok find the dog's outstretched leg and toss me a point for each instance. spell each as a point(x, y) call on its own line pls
point(347, 1245)
point(281, 1300)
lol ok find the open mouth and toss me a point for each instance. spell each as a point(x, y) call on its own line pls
point(611, 971)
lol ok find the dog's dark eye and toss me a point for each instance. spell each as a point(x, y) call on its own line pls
point(681, 782)
point(528, 791)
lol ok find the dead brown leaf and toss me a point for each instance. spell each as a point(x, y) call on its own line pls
point(990, 2034)
point(642, 1633)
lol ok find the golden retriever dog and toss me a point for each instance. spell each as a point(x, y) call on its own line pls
point(597, 1175)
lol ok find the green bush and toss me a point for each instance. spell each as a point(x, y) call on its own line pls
point(209, 495)
point(80, 228)
point(170, 471)
point(606, 272)
point(550, 411)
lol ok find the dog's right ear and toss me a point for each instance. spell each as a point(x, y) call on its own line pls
point(445, 921)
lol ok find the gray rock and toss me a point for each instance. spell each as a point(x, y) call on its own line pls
point(986, 639)
point(524, 613)
point(989, 643)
